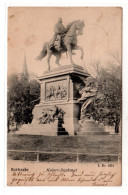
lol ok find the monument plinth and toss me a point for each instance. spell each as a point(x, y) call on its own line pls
point(59, 87)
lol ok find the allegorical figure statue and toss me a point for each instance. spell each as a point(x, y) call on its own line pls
point(89, 93)
point(64, 40)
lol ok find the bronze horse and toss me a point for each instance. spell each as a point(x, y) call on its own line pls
point(69, 43)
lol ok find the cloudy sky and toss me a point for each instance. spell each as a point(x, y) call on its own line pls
point(30, 27)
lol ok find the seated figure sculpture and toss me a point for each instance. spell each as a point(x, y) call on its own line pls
point(89, 93)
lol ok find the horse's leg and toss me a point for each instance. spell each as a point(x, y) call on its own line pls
point(79, 48)
point(58, 56)
point(48, 58)
point(70, 53)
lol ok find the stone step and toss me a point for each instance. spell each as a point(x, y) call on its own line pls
point(80, 133)
point(38, 129)
point(92, 129)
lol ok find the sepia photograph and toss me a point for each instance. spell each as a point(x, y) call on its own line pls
point(64, 96)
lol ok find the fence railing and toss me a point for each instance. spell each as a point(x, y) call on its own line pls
point(77, 154)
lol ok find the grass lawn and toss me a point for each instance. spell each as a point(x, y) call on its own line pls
point(90, 145)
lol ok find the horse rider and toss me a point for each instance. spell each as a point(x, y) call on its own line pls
point(59, 30)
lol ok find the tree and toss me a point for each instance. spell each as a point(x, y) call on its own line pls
point(22, 95)
point(107, 105)
point(107, 108)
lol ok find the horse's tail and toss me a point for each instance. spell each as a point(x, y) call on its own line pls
point(43, 53)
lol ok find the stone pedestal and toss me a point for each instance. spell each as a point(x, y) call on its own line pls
point(91, 127)
point(60, 87)
point(38, 129)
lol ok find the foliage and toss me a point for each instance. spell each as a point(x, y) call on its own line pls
point(107, 107)
point(22, 95)
point(107, 104)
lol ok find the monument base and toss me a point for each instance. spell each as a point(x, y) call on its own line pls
point(90, 126)
point(69, 125)
point(39, 129)
point(60, 89)
point(53, 129)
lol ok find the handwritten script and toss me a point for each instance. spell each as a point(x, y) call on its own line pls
point(88, 178)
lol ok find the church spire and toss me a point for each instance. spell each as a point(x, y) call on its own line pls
point(25, 69)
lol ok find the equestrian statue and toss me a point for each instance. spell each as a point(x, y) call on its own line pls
point(64, 40)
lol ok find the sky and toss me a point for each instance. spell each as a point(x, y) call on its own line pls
point(30, 27)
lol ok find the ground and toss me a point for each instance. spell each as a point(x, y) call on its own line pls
point(64, 148)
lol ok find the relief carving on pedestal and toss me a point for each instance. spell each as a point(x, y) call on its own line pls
point(56, 90)
point(50, 114)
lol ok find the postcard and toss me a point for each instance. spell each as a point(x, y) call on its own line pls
point(64, 96)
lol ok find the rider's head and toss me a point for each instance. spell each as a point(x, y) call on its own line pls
point(60, 20)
